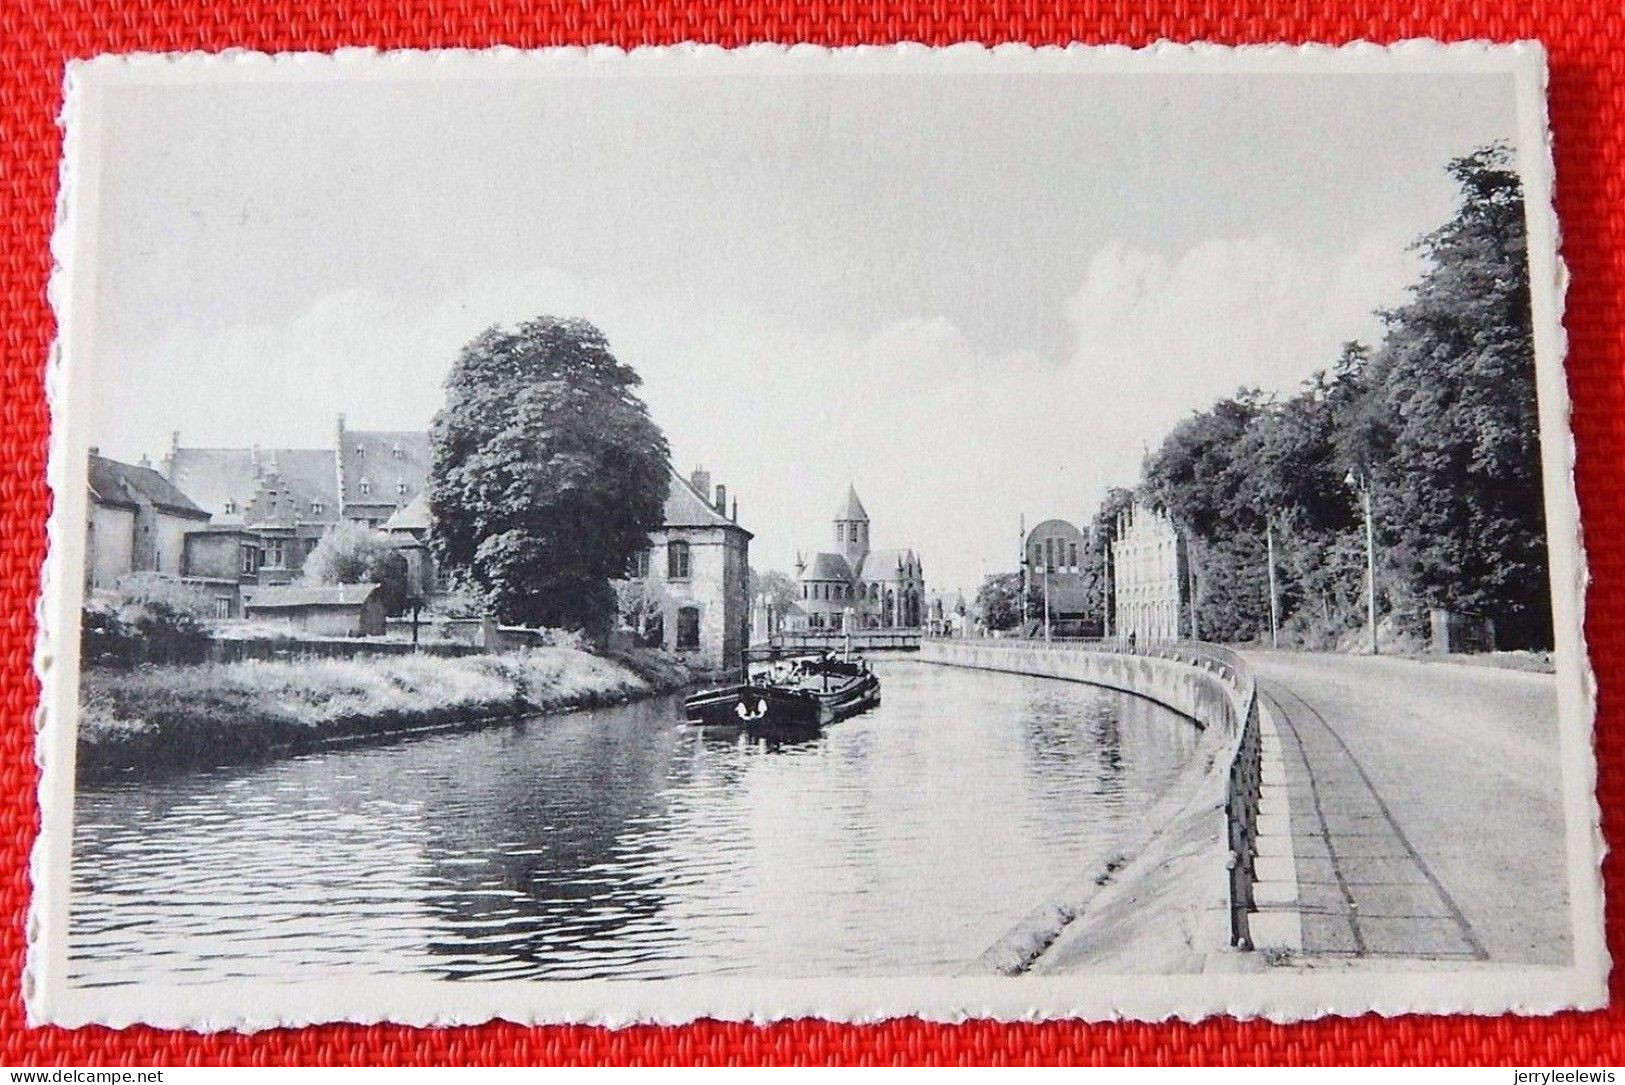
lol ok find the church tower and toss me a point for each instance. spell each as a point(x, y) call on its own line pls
point(852, 529)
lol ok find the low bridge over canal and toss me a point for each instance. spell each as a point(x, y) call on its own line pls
point(859, 640)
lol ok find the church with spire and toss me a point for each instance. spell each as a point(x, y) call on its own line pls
point(879, 588)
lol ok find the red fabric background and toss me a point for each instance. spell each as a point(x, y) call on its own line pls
point(1587, 106)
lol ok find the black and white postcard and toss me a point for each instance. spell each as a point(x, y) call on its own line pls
point(597, 536)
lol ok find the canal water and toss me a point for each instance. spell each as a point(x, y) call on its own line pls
point(621, 843)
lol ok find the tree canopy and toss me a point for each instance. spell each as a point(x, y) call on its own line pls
point(780, 587)
point(352, 553)
point(548, 473)
point(1439, 421)
point(998, 601)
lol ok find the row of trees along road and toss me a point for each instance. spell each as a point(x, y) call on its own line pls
point(1439, 420)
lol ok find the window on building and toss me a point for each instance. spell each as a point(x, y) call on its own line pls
point(360, 450)
point(1071, 557)
point(231, 507)
point(677, 561)
point(276, 555)
point(310, 546)
point(317, 508)
point(1049, 555)
point(222, 608)
point(250, 558)
point(396, 452)
point(688, 628)
point(804, 591)
point(400, 488)
point(840, 532)
point(640, 564)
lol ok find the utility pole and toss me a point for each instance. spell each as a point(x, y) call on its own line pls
point(1106, 589)
point(1370, 567)
point(1269, 550)
point(1046, 602)
point(1359, 480)
point(1023, 545)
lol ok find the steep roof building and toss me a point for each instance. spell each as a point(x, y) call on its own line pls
point(880, 588)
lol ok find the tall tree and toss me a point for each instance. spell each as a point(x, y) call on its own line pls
point(1204, 478)
point(998, 601)
point(548, 472)
point(1454, 438)
point(779, 587)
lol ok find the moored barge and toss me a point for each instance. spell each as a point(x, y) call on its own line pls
point(799, 696)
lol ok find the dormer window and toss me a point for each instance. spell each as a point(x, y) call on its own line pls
point(397, 451)
point(360, 450)
point(316, 508)
point(231, 507)
point(366, 488)
point(400, 489)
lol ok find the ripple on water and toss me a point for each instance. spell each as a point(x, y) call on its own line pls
point(620, 843)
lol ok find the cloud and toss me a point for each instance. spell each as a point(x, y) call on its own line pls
point(949, 445)
point(1162, 336)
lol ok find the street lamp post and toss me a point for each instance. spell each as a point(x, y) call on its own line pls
point(1023, 589)
point(1106, 589)
point(848, 615)
point(1359, 481)
point(1046, 602)
point(1269, 552)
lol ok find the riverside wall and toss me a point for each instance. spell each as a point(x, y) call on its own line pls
point(1176, 681)
point(1166, 898)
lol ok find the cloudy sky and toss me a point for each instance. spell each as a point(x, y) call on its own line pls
point(973, 297)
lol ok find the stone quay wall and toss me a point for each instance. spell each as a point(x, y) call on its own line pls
point(1175, 895)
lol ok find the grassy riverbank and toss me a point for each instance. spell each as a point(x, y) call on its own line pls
point(162, 717)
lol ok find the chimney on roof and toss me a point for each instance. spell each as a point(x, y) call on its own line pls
point(701, 481)
point(734, 515)
point(145, 461)
point(174, 450)
point(95, 450)
point(722, 500)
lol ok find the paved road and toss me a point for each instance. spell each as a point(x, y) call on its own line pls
point(1425, 807)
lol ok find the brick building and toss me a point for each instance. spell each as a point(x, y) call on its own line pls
point(137, 522)
point(270, 507)
point(1053, 553)
point(253, 515)
point(697, 570)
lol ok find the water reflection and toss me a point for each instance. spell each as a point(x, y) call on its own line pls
point(620, 843)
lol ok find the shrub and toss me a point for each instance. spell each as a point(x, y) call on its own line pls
point(352, 553)
point(147, 619)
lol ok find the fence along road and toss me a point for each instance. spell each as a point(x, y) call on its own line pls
point(1425, 805)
